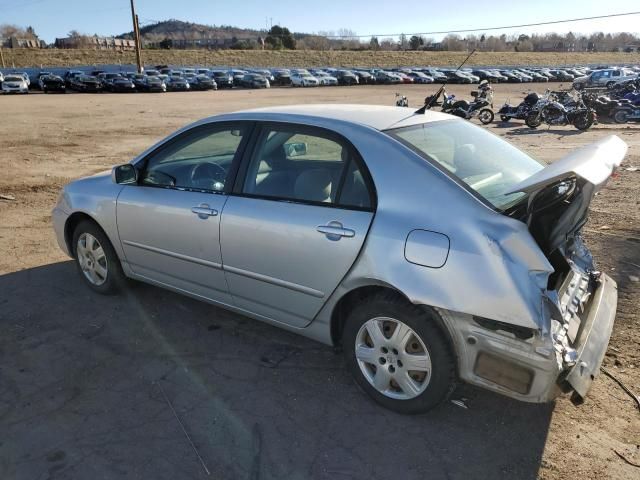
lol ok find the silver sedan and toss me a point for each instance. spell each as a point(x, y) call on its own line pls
point(425, 247)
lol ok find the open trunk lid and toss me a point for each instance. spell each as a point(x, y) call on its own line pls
point(560, 194)
point(594, 163)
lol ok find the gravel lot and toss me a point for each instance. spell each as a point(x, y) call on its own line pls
point(82, 376)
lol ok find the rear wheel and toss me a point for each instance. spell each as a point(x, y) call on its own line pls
point(398, 354)
point(486, 116)
point(96, 259)
point(621, 116)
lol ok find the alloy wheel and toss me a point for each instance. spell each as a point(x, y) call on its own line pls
point(92, 259)
point(393, 358)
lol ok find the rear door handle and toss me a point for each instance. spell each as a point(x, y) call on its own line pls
point(335, 231)
point(203, 211)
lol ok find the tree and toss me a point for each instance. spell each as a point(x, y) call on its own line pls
point(453, 43)
point(402, 45)
point(166, 44)
point(374, 44)
point(415, 42)
point(280, 37)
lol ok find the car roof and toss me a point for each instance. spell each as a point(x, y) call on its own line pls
point(374, 116)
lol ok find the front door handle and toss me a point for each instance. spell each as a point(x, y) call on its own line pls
point(335, 231)
point(203, 211)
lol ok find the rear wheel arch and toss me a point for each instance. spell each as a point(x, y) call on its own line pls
point(348, 301)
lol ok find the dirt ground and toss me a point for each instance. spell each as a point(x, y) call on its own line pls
point(80, 375)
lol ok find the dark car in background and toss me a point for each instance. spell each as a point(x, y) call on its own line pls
point(149, 83)
point(486, 75)
point(419, 77)
point(346, 77)
point(237, 75)
point(511, 78)
point(38, 84)
point(68, 76)
point(562, 76)
point(254, 80)
point(201, 82)
point(85, 84)
point(222, 78)
point(265, 73)
point(106, 79)
point(121, 85)
point(457, 77)
point(364, 77)
point(177, 83)
point(387, 78)
point(53, 83)
point(282, 77)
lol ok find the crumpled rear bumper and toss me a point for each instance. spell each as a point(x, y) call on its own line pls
point(499, 362)
point(593, 337)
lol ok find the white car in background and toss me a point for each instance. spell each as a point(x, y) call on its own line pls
point(302, 79)
point(607, 77)
point(14, 83)
point(325, 79)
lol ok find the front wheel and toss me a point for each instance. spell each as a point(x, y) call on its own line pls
point(486, 116)
point(621, 116)
point(533, 120)
point(96, 259)
point(398, 354)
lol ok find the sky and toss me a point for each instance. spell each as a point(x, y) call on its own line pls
point(55, 18)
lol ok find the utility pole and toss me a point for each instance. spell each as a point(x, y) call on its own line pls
point(136, 36)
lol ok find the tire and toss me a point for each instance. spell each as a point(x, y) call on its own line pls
point(486, 116)
point(621, 116)
point(434, 376)
point(533, 120)
point(584, 122)
point(610, 85)
point(113, 278)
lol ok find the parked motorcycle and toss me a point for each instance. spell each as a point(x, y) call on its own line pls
point(551, 111)
point(519, 112)
point(481, 105)
point(401, 100)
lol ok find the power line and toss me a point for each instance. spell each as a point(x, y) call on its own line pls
point(467, 30)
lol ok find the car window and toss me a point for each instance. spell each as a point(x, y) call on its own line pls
point(289, 164)
point(483, 161)
point(199, 160)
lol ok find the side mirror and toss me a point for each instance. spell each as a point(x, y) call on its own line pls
point(295, 149)
point(125, 174)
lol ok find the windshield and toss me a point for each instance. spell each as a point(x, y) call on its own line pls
point(13, 78)
point(482, 160)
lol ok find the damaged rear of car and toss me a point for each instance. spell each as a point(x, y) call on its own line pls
point(551, 332)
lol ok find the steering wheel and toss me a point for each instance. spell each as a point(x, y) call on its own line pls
point(208, 175)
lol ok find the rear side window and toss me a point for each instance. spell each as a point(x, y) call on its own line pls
point(309, 166)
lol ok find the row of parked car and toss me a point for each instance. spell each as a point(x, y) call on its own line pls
point(165, 78)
